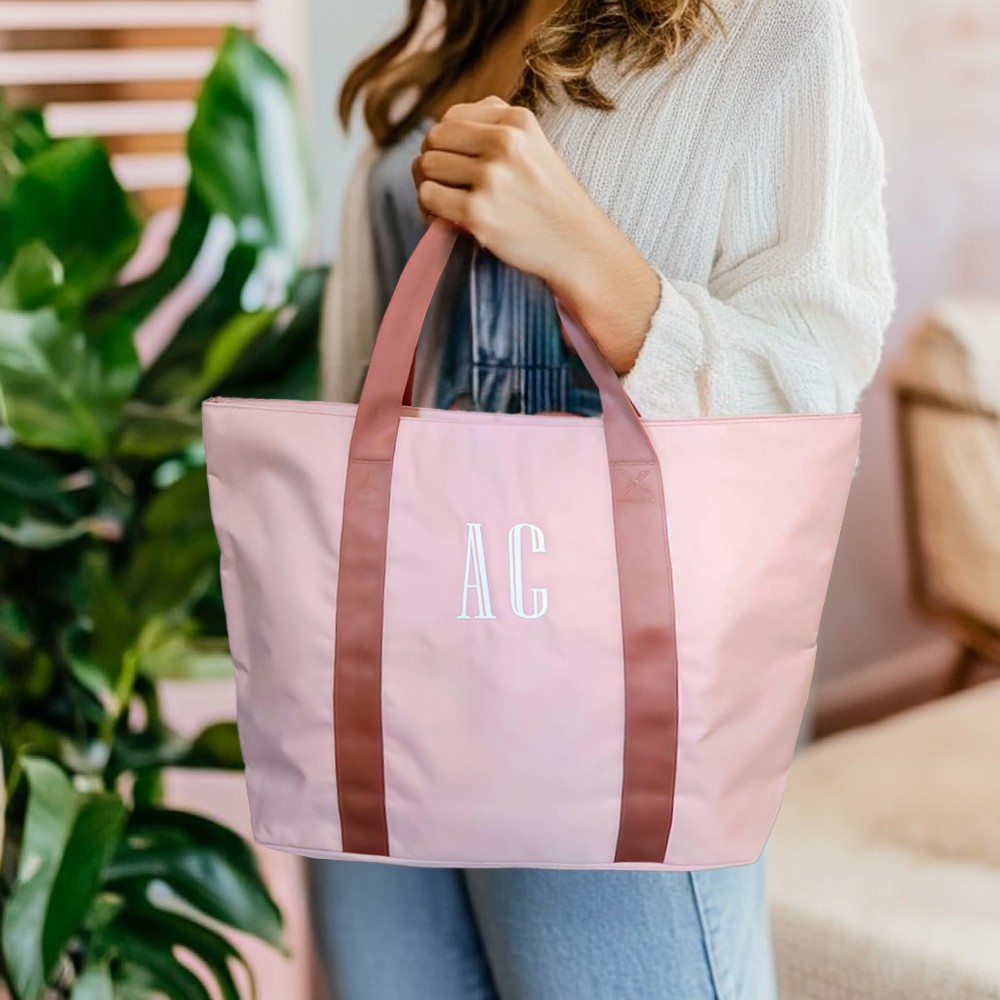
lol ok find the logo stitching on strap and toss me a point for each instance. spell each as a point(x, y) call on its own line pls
point(367, 493)
point(632, 487)
point(636, 481)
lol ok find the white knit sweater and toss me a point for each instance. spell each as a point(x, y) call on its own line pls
point(749, 172)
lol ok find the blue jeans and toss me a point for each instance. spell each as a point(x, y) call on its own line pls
point(392, 933)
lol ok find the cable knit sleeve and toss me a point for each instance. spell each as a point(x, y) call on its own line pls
point(801, 290)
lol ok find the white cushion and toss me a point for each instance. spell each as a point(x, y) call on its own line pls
point(885, 859)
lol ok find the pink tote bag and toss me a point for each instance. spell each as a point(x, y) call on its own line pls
point(471, 639)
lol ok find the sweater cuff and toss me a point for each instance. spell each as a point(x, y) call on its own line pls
point(663, 382)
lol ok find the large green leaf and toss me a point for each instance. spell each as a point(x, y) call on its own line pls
point(31, 487)
point(27, 737)
point(248, 158)
point(149, 935)
point(16, 637)
point(230, 344)
point(156, 975)
point(68, 838)
point(109, 625)
point(215, 747)
point(281, 362)
point(82, 461)
point(36, 511)
point(150, 431)
point(209, 866)
point(32, 533)
point(3, 807)
point(176, 373)
point(60, 389)
point(67, 197)
point(268, 353)
point(248, 165)
point(22, 135)
point(152, 971)
point(22, 130)
point(48, 383)
point(176, 555)
point(94, 984)
point(187, 659)
point(33, 279)
point(125, 642)
point(128, 305)
point(27, 476)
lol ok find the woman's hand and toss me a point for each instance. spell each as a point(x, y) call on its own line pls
point(489, 169)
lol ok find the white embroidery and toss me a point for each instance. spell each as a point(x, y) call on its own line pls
point(477, 579)
point(540, 595)
point(475, 560)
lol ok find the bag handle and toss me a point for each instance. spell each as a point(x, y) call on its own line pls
point(644, 573)
point(389, 371)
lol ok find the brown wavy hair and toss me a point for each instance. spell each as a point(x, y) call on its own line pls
point(562, 52)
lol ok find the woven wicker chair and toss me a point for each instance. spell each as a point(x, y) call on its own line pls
point(947, 394)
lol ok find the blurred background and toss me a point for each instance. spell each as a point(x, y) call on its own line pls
point(170, 184)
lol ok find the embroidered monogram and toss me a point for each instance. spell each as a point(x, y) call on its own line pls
point(540, 595)
point(477, 582)
point(475, 565)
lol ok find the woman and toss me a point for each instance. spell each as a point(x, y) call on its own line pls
point(701, 184)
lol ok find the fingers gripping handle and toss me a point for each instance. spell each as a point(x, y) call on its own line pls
point(390, 370)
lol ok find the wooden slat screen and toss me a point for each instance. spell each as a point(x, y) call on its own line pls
point(125, 71)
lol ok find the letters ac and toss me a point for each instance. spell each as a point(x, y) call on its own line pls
point(476, 581)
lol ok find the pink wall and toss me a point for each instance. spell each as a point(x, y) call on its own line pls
point(933, 71)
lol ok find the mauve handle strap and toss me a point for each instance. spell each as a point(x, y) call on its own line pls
point(644, 573)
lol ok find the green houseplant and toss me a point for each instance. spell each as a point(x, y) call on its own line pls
point(108, 562)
